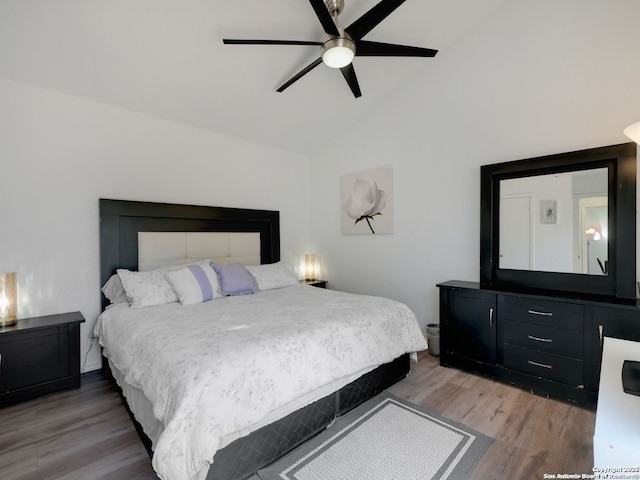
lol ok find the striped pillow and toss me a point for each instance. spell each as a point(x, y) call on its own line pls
point(195, 284)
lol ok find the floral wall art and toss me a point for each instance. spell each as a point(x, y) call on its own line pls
point(366, 200)
point(549, 211)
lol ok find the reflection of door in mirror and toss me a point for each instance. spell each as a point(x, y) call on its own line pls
point(594, 245)
point(515, 242)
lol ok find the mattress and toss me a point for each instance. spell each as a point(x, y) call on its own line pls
point(197, 377)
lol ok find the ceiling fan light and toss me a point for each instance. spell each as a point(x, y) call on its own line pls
point(338, 57)
point(338, 52)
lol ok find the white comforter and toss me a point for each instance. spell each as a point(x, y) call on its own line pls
point(219, 367)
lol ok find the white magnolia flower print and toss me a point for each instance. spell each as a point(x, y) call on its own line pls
point(365, 201)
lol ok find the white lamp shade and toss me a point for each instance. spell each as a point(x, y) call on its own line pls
point(633, 132)
point(8, 299)
point(310, 266)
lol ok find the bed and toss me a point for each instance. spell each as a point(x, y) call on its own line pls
point(185, 370)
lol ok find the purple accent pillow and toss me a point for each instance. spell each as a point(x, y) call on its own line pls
point(235, 279)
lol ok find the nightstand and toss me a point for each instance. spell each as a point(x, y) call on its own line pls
point(315, 283)
point(39, 355)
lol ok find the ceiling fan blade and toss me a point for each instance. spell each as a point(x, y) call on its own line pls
point(376, 49)
point(373, 17)
point(350, 76)
point(325, 17)
point(300, 74)
point(228, 41)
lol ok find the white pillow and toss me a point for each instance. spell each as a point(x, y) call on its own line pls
point(149, 288)
point(114, 291)
point(195, 283)
point(272, 275)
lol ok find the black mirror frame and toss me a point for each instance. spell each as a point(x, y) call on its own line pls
point(621, 280)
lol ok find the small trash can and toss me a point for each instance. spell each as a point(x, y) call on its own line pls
point(433, 339)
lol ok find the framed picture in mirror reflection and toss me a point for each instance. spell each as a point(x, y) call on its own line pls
point(549, 211)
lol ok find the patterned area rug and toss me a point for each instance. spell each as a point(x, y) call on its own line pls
point(386, 438)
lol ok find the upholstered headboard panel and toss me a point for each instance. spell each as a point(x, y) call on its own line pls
point(121, 222)
point(159, 249)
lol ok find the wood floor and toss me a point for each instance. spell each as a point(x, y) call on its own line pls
point(532, 435)
point(87, 434)
point(72, 435)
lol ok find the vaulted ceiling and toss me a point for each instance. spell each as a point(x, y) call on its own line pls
point(166, 58)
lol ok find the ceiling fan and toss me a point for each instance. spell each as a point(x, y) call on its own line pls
point(339, 45)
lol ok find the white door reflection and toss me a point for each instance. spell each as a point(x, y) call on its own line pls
point(515, 249)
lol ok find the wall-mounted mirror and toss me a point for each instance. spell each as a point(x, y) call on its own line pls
point(561, 222)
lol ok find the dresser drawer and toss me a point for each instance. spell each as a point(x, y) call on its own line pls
point(564, 315)
point(545, 339)
point(546, 365)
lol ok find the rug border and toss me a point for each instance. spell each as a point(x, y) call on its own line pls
point(460, 471)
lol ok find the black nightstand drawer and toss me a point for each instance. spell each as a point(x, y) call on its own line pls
point(564, 315)
point(315, 283)
point(545, 339)
point(545, 365)
point(30, 358)
point(39, 355)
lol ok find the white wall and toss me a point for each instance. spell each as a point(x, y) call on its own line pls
point(60, 154)
point(537, 77)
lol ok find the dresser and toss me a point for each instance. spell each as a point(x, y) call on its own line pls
point(550, 344)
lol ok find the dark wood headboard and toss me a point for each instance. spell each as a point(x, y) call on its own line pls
point(121, 220)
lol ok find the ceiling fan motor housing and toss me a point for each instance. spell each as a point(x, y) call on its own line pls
point(335, 7)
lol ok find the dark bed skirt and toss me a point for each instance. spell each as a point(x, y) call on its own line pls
point(243, 457)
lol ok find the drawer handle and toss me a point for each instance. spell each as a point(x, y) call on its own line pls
point(544, 365)
point(601, 333)
point(544, 314)
point(538, 339)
